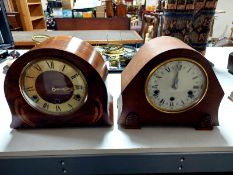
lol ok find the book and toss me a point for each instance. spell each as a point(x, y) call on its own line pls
point(181, 4)
point(171, 4)
point(200, 4)
point(189, 5)
point(211, 4)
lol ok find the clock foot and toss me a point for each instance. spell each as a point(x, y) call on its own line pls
point(132, 121)
point(205, 123)
point(231, 72)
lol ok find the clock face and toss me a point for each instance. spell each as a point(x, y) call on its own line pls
point(53, 86)
point(176, 85)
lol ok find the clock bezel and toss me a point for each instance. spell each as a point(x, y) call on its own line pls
point(195, 103)
point(38, 108)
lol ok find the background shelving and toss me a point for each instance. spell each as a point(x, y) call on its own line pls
point(32, 15)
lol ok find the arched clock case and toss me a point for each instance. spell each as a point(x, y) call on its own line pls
point(168, 83)
point(59, 83)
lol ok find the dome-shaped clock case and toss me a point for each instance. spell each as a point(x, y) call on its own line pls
point(169, 83)
point(59, 83)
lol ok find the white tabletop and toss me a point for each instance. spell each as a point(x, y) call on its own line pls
point(116, 140)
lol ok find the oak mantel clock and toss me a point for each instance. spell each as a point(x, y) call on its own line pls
point(60, 82)
point(169, 83)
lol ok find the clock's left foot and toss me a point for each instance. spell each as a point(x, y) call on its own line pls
point(132, 121)
point(205, 123)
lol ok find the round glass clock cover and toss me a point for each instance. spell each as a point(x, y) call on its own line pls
point(176, 85)
point(53, 86)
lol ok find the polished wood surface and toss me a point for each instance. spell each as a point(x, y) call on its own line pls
point(97, 109)
point(23, 39)
point(135, 114)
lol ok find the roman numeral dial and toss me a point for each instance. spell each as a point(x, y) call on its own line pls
point(53, 86)
point(176, 85)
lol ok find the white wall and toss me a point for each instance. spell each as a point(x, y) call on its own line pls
point(223, 21)
point(44, 4)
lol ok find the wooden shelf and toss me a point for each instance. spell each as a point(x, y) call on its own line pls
point(33, 18)
point(32, 14)
point(34, 3)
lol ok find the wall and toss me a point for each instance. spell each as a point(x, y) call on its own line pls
point(223, 21)
point(44, 4)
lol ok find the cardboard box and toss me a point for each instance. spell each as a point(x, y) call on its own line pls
point(67, 4)
point(100, 11)
point(87, 14)
point(100, 14)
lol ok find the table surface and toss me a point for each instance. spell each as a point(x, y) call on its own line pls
point(24, 38)
point(116, 140)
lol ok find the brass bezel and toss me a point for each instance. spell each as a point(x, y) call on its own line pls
point(33, 104)
point(171, 60)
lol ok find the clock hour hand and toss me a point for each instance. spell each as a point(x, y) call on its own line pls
point(65, 89)
point(176, 79)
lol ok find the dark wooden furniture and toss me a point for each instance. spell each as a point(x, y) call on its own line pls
point(109, 8)
point(14, 20)
point(121, 10)
point(115, 23)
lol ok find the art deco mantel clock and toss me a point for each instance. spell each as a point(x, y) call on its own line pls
point(60, 82)
point(169, 83)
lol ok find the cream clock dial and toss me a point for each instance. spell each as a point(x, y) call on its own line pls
point(176, 85)
point(53, 86)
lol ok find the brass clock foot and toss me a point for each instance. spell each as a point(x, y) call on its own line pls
point(205, 123)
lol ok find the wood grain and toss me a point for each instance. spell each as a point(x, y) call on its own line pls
point(97, 109)
point(136, 111)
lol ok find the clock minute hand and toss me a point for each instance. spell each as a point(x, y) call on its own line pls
point(65, 89)
point(176, 79)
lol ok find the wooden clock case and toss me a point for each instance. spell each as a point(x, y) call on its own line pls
point(230, 63)
point(98, 108)
point(134, 109)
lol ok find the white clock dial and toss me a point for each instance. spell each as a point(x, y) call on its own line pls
point(176, 85)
